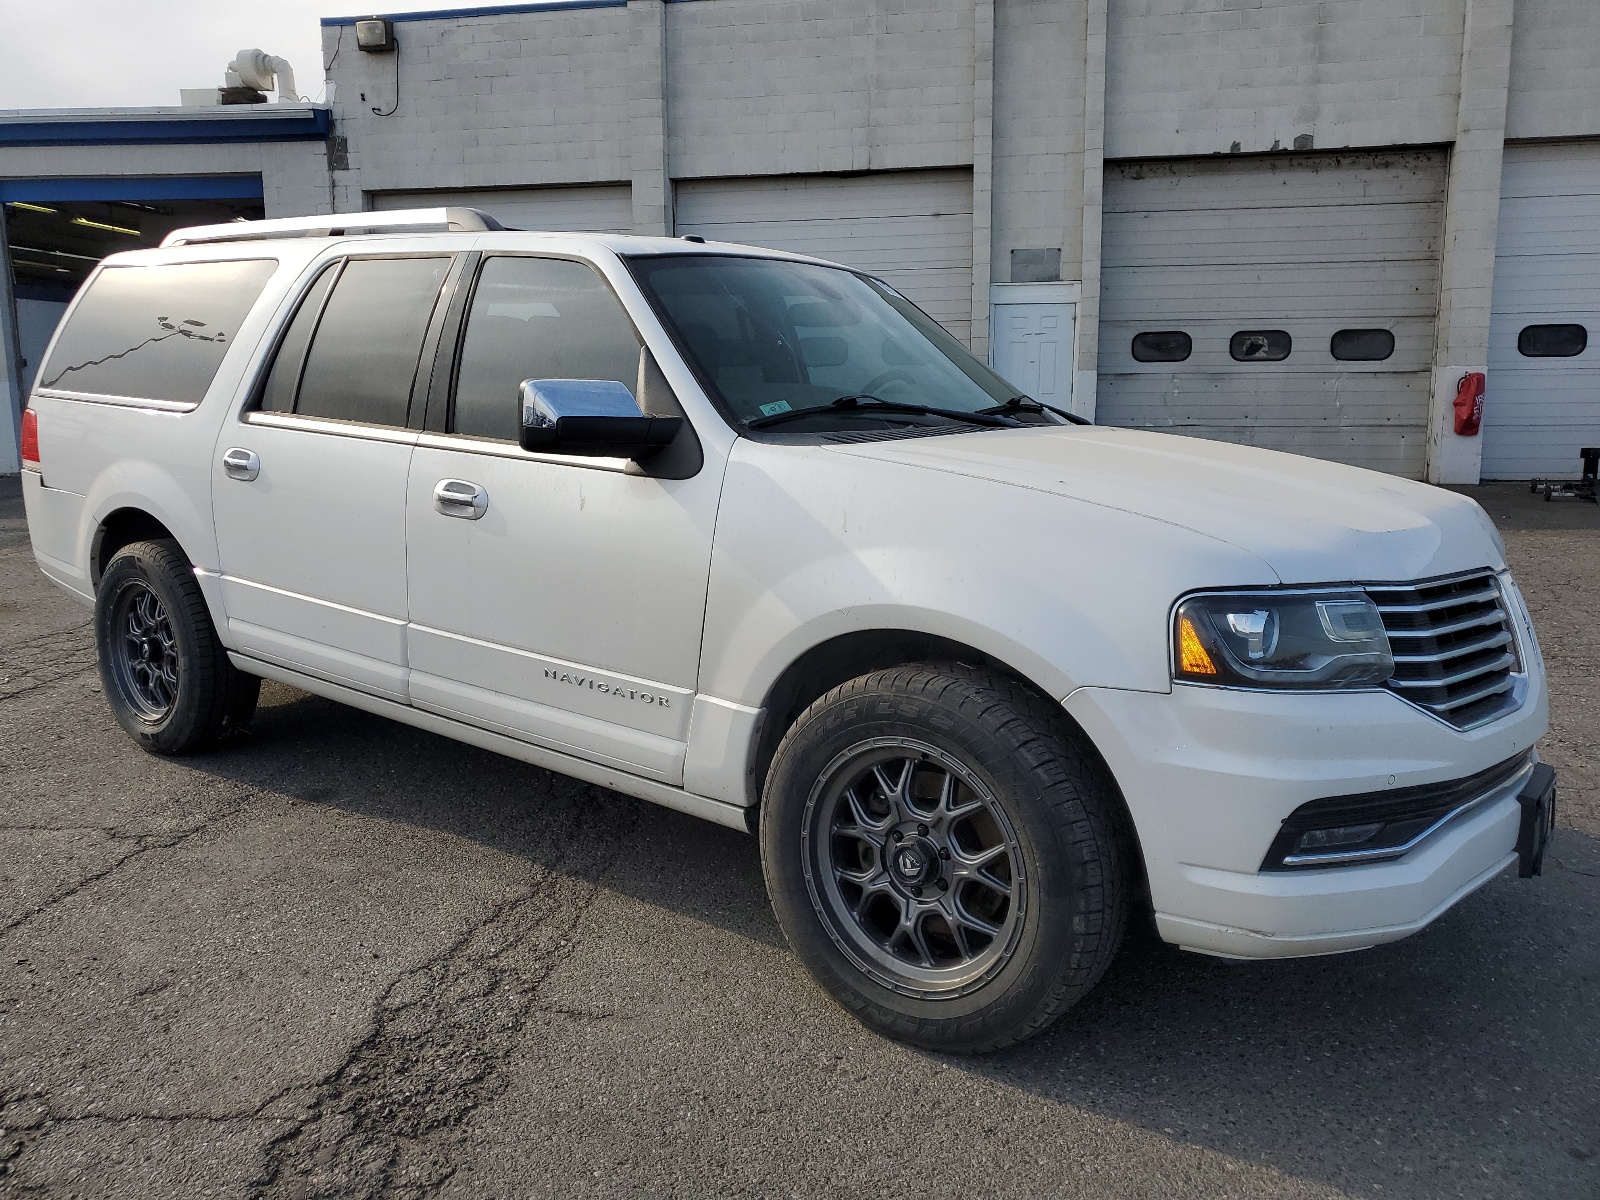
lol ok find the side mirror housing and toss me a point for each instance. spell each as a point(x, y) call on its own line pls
point(596, 418)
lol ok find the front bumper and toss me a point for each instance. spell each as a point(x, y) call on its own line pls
point(1210, 775)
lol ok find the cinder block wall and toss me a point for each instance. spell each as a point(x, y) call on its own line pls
point(767, 87)
point(1010, 88)
point(1209, 76)
point(294, 175)
point(1038, 132)
point(1555, 70)
point(514, 100)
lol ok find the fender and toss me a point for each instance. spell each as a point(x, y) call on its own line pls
point(150, 488)
point(1047, 584)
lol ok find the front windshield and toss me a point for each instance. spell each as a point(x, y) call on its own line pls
point(771, 337)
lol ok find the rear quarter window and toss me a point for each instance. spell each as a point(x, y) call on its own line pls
point(155, 333)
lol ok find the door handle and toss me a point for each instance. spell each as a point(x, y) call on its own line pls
point(240, 463)
point(460, 498)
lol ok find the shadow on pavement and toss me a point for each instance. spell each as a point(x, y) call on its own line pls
point(1468, 1047)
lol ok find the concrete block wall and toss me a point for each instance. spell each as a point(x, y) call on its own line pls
point(519, 99)
point(1033, 95)
point(766, 87)
point(1190, 77)
point(294, 175)
point(1039, 58)
point(1472, 217)
point(1555, 70)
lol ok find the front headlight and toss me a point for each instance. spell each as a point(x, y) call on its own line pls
point(1310, 641)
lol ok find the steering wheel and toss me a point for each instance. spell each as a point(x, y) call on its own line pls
point(886, 377)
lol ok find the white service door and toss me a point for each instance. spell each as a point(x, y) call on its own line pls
point(1539, 412)
point(1031, 346)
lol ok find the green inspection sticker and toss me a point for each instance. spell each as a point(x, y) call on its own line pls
point(773, 409)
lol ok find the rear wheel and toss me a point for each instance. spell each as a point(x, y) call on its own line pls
point(944, 855)
point(165, 672)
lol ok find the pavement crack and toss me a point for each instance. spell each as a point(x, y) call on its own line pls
point(27, 1116)
point(1559, 865)
point(49, 658)
point(390, 1119)
point(110, 831)
point(144, 843)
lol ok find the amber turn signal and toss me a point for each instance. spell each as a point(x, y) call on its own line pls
point(1193, 658)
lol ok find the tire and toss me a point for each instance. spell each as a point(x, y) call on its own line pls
point(165, 672)
point(1024, 907)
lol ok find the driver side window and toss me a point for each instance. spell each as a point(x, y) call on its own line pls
point(537, 318)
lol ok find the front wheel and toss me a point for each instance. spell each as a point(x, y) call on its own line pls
point(945, 857)
point(165, 672)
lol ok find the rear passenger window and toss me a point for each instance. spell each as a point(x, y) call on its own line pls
point(364, 354)
point(284, 379)
point(1552, 341)
point(537, 318)
point(1166, 345)
point(1361, 345)
point(1260, 345)
point(155, 333)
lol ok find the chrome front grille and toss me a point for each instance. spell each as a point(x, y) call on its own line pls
point(1454, 650)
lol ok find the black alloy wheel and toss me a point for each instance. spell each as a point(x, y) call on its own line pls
point(946, 854)
point(144, 652)
point(914, 867)
point(165, 672)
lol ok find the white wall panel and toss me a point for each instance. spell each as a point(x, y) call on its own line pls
point(911, 228)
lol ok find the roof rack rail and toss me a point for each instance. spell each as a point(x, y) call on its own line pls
point(410, 220)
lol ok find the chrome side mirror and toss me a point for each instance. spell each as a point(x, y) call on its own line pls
point(597, 418)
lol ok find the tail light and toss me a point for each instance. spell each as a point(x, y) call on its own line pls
point(30, 437)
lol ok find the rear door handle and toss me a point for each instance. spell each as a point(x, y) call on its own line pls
point(460, 498)
point(240, 463)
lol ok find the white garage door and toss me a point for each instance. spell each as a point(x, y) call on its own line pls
point(601, 208)
point(1543, 401)
point(1285, 302)
point(911, 228)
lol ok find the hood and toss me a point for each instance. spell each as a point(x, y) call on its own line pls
point(1310, 521)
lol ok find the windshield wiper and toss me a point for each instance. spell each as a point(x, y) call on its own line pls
point(1028, 403)
point(862, 403)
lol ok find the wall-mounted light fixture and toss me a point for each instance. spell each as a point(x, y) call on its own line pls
point(375, 35)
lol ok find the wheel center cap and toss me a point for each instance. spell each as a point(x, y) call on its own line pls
point(914, 864)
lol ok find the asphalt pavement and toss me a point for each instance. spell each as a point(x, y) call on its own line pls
point(340, 957)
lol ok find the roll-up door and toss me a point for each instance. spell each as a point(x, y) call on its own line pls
point(1285, 302)
point(590, 208)
point(910, 228)
point(1543, 400)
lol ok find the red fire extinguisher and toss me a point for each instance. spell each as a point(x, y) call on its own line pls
point(1469, 403)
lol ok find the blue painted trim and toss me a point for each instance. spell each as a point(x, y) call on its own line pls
point(447, 14)
point(166, 131)
point(133, 187)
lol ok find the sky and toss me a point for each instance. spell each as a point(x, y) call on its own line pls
point(115, 53)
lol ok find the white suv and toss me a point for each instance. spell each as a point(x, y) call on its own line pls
point(748, 535)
